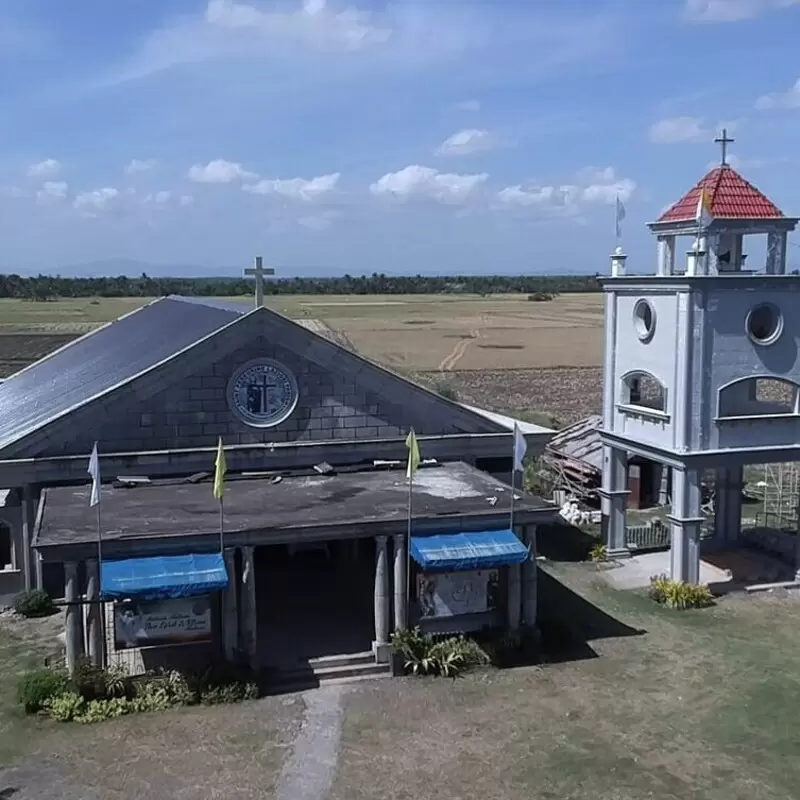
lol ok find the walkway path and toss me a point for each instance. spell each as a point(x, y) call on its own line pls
point(310, 771)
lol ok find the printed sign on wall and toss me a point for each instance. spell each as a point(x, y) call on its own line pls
point(158, 622)
point(449, 594)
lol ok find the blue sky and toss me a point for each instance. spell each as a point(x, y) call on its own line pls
point(416, 136)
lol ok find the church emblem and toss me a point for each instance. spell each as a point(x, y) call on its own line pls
point(263, 393)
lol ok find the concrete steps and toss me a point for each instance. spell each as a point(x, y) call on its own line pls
point(344, 668)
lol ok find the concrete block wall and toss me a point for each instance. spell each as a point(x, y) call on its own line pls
point(184, 404)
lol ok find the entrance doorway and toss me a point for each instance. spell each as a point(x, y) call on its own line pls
point(314, 600)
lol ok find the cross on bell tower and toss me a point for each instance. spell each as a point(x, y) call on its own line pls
point(724, 141)
point(259, 271)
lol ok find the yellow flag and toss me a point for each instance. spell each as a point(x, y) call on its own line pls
point(413, 454)
point(219, 472)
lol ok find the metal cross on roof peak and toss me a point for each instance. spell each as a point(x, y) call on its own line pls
point(724, 141)
point(259, 271)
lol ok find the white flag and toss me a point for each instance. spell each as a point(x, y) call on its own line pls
point(620, 217)
point(94, 471)
point(520, 448)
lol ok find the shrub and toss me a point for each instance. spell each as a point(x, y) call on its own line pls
point(65, 707)
point(99, 710)
point(541, 297)
point(95, 683)
point(448, 657)
point(38, 686)
point(447, 390)
point(599, 553)
point(680, 595)
point(34, 603)
point(234, 692)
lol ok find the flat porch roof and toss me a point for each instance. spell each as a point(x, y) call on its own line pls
point(172, 515)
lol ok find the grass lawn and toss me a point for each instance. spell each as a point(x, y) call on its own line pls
point(703, 705)
point(655, 704)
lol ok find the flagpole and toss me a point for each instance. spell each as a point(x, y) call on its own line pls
point(513, 492)
point(221, 527)
point(408, 551)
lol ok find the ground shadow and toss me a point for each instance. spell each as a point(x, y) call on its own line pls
point(569, 622)
point(564, 542)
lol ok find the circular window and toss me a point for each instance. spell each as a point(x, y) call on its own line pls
point(263, 393)
point(764, 323)
point(644, 319)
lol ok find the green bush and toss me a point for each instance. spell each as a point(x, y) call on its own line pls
point(448, 657)
point(599, 553)
point(65, 707)
point(95, 683)
point(34, 603)
point(680, 595)
point(38, 686)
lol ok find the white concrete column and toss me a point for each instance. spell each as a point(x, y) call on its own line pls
point(514, 597)
point(230, 608)
point(28, 523)
point(728, 506)
point(249, 611)
point(74, 616)
point(776, 253)
point(685, 521)
point(400, 583)
point(530, 575)
point(614, 497)
point(380, 645)
point(666, 255)
point(618, 259)
point(95, 635)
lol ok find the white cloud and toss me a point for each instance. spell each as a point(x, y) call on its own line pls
point(96, 200)
point(466, 142)
point(12, 191)
point(321, 221)
point(675, 130)
point(732, 10)
point(314, 24)
point(139, 165)
point(157, 199)
point(48, 168)
point(788, 99)
point(220, 171)
point(52, 191)
point(185, 200)
point(296, 188)
point(468, 105)
point(419, 181)
point(592, 186)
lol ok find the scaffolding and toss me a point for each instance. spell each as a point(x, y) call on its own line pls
point(778, 491)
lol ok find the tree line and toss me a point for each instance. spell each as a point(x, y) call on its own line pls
point(48, 287)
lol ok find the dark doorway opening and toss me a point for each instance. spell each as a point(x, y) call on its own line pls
point(314, 600)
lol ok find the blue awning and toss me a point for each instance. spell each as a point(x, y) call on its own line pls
point(163, 576)
point(468, 550)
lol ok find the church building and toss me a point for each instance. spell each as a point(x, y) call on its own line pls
point(318, 547)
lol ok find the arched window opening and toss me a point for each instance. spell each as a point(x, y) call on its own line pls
point(759, 397)
point(644, 391)
point(6, 550)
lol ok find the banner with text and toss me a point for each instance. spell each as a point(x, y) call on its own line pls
point(450, 594)
point(158, 622)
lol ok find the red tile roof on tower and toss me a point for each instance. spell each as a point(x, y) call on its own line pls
point(731, 197)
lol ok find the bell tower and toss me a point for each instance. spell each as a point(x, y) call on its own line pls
point(702, 360)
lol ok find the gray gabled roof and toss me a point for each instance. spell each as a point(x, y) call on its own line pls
point(105, 358)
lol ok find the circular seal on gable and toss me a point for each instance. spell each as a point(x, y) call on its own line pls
point(262, 393)
point(644, 320)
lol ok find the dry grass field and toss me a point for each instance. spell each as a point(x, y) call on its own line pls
point(501, 351)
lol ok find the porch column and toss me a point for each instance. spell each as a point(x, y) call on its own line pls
point(230, 608)
point(614, 494)
point(74, 616)
point(249, 611)
point(728, 506)
point(400, 582)
point(685, 520)
point(28, 523)
point(530, 580)
point(776, 253)
point(514, 597)
point(94, 615)
point(380, 647)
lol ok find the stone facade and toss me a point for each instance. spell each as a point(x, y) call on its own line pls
point(183, 403)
